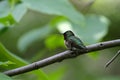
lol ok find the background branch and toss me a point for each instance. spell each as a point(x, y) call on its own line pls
point(61, 56)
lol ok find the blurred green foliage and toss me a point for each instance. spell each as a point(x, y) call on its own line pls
point(31, 30)
point(4, 77)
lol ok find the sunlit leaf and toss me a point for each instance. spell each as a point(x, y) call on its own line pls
point(6, 63)
point(56, 7)
point(95, 29)
point(54, 41)
point(8, 20)
point(61, 23)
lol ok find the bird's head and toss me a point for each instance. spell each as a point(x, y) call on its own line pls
point(68, 34)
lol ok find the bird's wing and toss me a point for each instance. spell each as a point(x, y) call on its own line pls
point(77, 43)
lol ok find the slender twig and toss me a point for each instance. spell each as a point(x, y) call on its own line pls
point(61, 56)
point(113, 58)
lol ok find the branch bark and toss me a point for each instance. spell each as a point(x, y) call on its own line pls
point(61, 56)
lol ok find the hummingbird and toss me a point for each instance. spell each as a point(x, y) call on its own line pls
point(72, 42)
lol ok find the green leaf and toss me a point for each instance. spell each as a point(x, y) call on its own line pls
point(37, 34)
point(54, 41)
point(19, 11)
point(61, 23)
point(8, 20)
point(56, 7)
point(8, 13)
point(4, 77)
point(41, 75)
point(5, 14)
point(6, 55)
point(95, 29)
point(93, 55)
point(4, 8)
point(57, 74)
point(13, 3)
point(6, 63)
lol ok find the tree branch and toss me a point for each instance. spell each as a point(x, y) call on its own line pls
point(61, 56)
